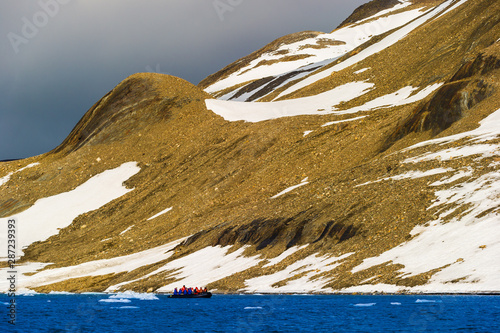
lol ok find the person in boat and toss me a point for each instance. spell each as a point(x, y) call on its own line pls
point(176, 292)
point(196, 290)
point(205, 290)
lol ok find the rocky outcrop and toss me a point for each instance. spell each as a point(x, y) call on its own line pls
point(138, 101)
point(468, 87)
point(368, 9)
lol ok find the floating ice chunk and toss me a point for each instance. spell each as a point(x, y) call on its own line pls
point(114, 300)
point(364, 304)
point(134, 295)
point(425, 301)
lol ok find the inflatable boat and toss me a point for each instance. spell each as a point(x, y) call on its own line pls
point(198, 295)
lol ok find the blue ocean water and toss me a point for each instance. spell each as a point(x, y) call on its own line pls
point(253, 313)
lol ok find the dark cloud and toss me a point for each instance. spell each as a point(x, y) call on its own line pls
point(60, 56)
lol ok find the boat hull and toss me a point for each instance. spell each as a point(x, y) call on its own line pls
point(200, 295)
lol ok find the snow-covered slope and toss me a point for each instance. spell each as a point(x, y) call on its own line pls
point(315, 56)
point(363, 160)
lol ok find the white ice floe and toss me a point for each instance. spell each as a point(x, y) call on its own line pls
point(134, 295)
point(48, 215)
point(306, 268)
point(291, 188)
point(93, 268)
point(161, 213)
point(320, 104)
point(364, 304)
point(115, 300)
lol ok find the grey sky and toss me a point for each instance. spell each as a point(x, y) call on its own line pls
point(58, 57)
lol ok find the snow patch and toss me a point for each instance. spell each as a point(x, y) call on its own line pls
point(411, 175)
point(347, 38)
point(307, 133)
point(417, 18)
point(6, 178)
point(291, 188)
point(342, 121)
point(124, 231)
point(401, 97)
point(205, 266)
point(160, 213)
point(308, 268)
point(48, 215)
point(362, 70)
point(320, 104)
point(93, 268)
point(284, 255)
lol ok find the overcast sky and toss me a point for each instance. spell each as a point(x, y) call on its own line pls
point(59, 57)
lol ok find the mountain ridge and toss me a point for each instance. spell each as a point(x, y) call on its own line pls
point(313, 187)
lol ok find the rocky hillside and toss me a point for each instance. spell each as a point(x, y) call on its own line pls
point(366, 159)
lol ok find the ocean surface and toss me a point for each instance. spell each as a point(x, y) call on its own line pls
point(251, 313)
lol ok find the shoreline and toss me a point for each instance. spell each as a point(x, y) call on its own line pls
point(479, 293)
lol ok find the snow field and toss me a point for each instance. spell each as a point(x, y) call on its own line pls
point(313, 105)
point(48, 215)
point(466, 248)
point(309, 267)
point(321, 104)
point(93, 268)
point(349, 37)
point(416, 18)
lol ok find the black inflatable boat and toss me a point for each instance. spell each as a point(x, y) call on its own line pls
point(198, 295)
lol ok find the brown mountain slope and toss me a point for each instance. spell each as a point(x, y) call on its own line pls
point(358, 196)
